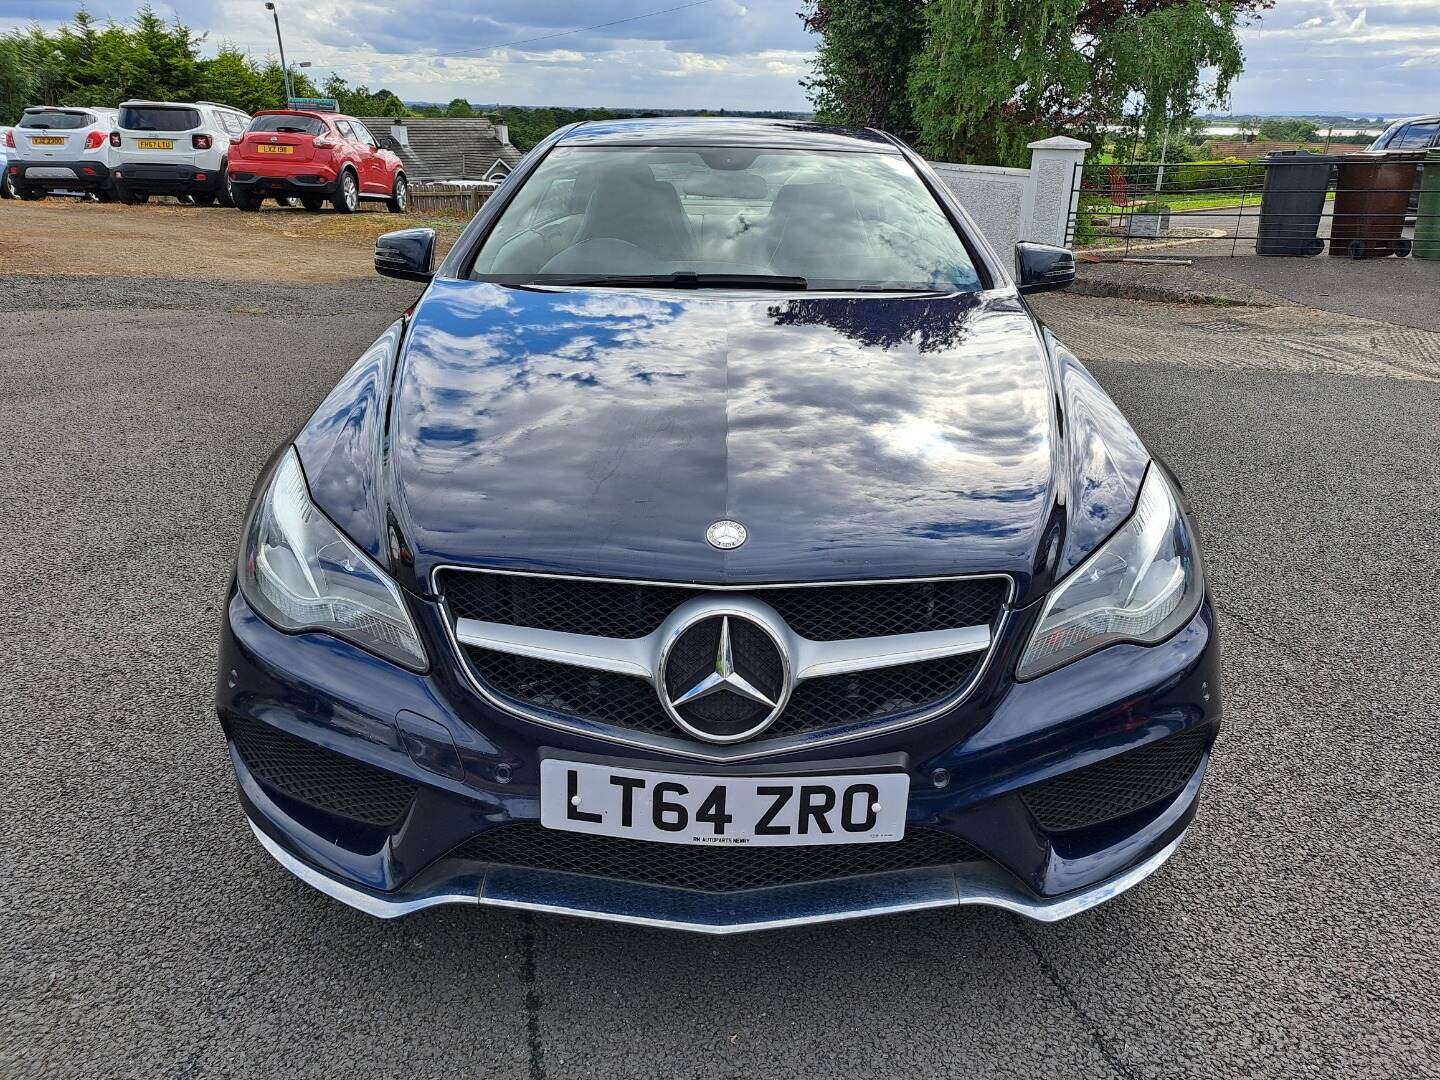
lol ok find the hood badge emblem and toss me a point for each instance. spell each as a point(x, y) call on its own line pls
point(726, 535)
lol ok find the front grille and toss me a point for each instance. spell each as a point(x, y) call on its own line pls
point(1118, 785)
point(704, 868)
point(630, 702)
point(632, 610)
point(316, 776)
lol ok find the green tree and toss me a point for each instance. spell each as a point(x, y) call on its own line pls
point(1287, 130)
point(459, 108)
point(863, 63)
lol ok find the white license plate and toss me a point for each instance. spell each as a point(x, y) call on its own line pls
point(752, 811)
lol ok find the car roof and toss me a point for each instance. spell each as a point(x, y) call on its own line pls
point(726, 131)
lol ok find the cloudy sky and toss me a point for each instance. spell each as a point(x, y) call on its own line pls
point(1306, 55)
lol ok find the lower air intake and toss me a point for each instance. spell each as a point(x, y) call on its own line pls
point(707, 869)
point(319, 777)
point(1119, 785)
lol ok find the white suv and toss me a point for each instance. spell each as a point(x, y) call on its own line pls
point(175, 148)
point(60, 149)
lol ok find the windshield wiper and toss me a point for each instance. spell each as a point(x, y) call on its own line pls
point(685, 279)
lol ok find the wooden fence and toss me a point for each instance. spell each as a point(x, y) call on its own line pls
point(449, 200)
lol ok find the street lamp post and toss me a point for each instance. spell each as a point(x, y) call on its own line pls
point(284, 67)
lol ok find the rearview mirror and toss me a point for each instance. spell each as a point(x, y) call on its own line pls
point(408, 254)
point(1041, 267)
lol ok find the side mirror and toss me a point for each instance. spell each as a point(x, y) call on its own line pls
point(1041, 267)
point(408, 254)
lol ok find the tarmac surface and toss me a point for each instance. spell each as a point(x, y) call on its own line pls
point(145, 934)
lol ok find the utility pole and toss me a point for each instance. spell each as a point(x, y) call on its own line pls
point(284, 67)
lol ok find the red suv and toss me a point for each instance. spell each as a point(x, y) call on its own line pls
point(315, 157)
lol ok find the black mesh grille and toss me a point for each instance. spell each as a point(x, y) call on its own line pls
point(872, 695)
point(630, 702)
point(1118, 785)
point(821, 613)
point(623, 701)
point(311, 774)
point(707, 869)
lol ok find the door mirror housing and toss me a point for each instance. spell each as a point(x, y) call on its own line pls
point(1042, 267)
point(408, 254)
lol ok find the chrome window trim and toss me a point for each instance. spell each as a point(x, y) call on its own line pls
point(712, 752)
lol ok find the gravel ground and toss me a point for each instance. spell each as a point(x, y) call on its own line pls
point(145, 934)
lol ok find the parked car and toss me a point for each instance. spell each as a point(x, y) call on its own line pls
point(175, 148)
point(1412, 133)
point(7, 140)
point(317, 157)
point(61, 149)
point(720, 542)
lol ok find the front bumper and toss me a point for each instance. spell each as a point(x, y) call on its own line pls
point(153, 177)
point(480, 771)
point(59, 175)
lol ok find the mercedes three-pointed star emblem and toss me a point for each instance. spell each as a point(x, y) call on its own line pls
point(724, 677)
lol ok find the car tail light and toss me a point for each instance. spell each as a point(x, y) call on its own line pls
point(94, 140)
point(201, 142)
point(114, 138)
point(10, 139)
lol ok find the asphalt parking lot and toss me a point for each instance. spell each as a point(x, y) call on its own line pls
point(145, 934)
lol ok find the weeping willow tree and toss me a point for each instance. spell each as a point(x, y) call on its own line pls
point(976, 80)
point(995, 75)
point(863, 61)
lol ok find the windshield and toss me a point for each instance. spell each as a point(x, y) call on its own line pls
point(56, 120)
point(838, 220)
point(289, 124)
point(144, 118)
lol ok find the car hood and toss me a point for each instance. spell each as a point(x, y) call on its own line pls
point(600, 432)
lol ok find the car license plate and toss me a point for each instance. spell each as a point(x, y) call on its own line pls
point(155, 144)
point(750, 811)
point(267, 149)
point(46, 140)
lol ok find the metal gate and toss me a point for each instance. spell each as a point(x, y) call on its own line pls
point(1187, 210)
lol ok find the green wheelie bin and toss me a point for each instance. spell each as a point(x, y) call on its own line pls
point(1427, 218)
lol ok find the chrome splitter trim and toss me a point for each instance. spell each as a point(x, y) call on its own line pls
point(962, 884)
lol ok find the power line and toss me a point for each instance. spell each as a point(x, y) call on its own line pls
point(581, 29)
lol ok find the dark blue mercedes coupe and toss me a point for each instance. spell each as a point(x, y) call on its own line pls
point(719, 542)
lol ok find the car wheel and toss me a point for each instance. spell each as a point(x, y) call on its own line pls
point(226, 195)
point(399, 201)
point(246, 200)
point(7, 187)
point(347, 195)
point(313, 203)
point(203, 198)
point(131, 198)
point(30, 194)
point(104, 195)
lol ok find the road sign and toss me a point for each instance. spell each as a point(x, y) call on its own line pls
point(315, 104)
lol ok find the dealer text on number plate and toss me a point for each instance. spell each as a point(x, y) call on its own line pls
point(749, 811)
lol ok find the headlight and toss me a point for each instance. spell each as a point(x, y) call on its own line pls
point(301, 573)
point(1141, 585)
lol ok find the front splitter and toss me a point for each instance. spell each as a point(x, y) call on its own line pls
point(892, 893)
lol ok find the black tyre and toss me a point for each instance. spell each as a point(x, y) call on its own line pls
point(1357, 249)
point(7, 186)
point(203, 198)
point(245, 200)
point(105, 195)
point(313, 203)
point(225, 196)
point(30, 194)
point(1402, 248)
point(399, 201)
point(347, 194)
